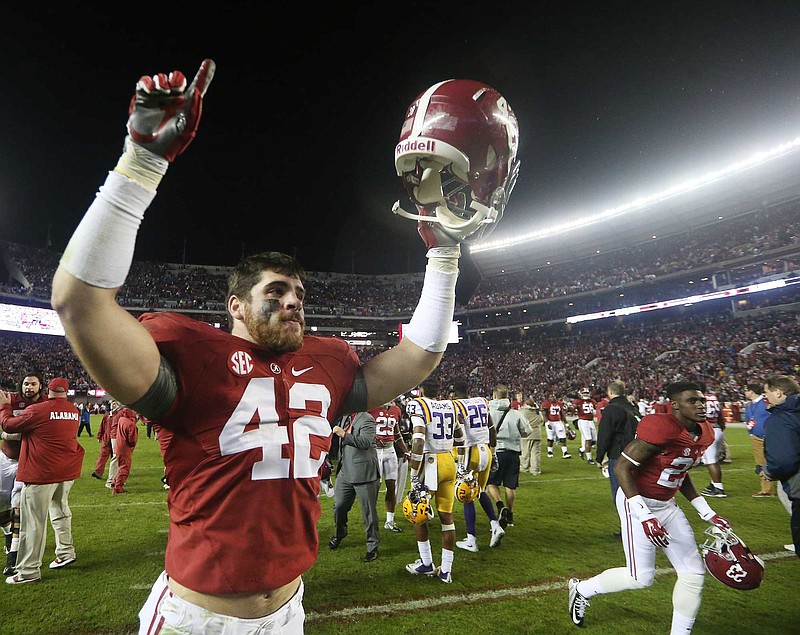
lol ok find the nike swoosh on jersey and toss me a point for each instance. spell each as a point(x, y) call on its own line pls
point(297, 373)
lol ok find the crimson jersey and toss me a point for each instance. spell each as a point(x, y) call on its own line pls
point(663, 408)
point(244, 443)
point(713, 409)
point(662, 476)
point(585, 409)
point(18, 403)
point(601, 405)
point(554, 410)
point(50, 450)
point(387, 425)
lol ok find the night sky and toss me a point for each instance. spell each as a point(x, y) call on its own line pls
point(295, 150)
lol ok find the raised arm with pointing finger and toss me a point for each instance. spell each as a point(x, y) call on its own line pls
point(245, 417)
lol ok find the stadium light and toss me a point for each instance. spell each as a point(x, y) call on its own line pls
point(640, 202)
point(694, 299)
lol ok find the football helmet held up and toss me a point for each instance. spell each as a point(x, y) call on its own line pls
point(467, 488)
point(457, 157)
point(731, 561)
point(417, 506)
point(584, 393)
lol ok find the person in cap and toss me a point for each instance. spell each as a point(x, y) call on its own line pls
point(50, 460)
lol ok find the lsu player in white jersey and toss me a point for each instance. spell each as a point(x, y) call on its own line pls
point(435, 432)
point(479, 448)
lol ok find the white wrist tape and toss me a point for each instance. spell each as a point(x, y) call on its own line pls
point(444, 259)
point(639, 509)
point(702, 507)
point(141, 165)
point(429, 327)
point(100, 251)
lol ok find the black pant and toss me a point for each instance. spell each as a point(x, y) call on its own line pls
point(85, 426)
point(795, 525)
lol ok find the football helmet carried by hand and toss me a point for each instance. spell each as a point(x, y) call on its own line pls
point(457, 157)
point(467, 488)
point(571, 435)
point(730, 561)
point(417, 506)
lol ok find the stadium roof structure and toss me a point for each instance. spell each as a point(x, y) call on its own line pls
point(767, 180)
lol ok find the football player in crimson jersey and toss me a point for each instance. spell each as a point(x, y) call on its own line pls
point(555, 419)
point(711, 458)
point(585, 408)
point(247, 415)
point(651, 470)
point(31, 388)
point(389, 442)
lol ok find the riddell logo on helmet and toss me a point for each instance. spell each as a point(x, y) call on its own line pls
point(416, 146)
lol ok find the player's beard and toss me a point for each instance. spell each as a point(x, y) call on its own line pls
point(267, 329)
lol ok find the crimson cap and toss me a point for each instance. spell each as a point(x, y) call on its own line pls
point(58, 384)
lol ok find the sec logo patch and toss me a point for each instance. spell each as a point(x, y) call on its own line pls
point(240, 363)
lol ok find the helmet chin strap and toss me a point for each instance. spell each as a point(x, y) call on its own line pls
point(429, 192)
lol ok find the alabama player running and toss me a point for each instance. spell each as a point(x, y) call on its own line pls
point(651, 470)
point(481, 440)
point(555, 419)
point(585, 408)
point(436, 429)
point(30, 391)
point(389, 441)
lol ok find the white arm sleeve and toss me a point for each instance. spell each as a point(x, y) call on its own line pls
point(100, 251)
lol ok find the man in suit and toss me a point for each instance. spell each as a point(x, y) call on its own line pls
point(357, 476)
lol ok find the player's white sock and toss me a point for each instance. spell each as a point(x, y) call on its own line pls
point(447, 560)
point(588, 456)
point(609, 581)
point(389, 517)
point(717, 485)
point(425, 552)
point(563, 450)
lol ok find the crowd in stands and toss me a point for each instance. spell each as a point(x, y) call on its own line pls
point(729, 244)
point(646, 352)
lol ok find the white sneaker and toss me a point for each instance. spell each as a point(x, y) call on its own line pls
point(62, 562)
point(789, 548)
point(468, 545)
point(577, 603)
point(392, 527)
point(497, 535)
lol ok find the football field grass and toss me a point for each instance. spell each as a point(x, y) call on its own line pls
point(564, 520)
